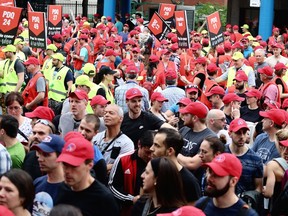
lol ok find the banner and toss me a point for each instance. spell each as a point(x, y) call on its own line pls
point(9, 19)
point(29, 7)
point(182, 29)
point(8, 3)
point(158, 27)
point(54, 20)
point(214, 28)
point(37, 29)
point(166, 11)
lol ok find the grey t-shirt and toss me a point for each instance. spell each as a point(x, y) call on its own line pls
point(40, 84)
point(67, 123)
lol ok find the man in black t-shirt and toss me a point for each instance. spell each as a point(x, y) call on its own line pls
point(80, 188)
point(136, 121)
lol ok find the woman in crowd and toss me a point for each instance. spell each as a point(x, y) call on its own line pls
point(159, 180)
point(209, 149)
point(17, 191)
point(14, 103)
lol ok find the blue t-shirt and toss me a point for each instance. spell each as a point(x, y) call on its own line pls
point(252, 168)
point(212, 210)
point(264, 148)
point(97, 154)
point(45, 196)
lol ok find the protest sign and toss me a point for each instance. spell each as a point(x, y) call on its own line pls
point(10, 3)
point(37, 29)
point(54, 20)
point(158, 27)
point(214, 28)
point(182, 29)
point(9, 19)
point(166, 11)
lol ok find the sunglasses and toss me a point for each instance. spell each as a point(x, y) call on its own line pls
point(46, 123)
point(191, 86)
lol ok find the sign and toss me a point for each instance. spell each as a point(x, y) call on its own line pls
point(182, 29)
point(9, 19)
point(166, 11)
point(255, 3)
point(29, 7)
point(214, 28)
point(37, 29)
point(54, 20)
point(158, 27)
point(8, 3)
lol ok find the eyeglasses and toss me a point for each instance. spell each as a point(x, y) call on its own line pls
point(16, 108)
point(191, 86)
point(46, 123)
point(221, 119)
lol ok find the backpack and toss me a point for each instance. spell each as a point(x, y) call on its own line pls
point(254, 199)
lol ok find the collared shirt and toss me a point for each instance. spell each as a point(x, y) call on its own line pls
point(5, 159)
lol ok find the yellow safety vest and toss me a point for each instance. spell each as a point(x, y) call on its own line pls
point(2, 80)
point(20, 55)
point(108, 93)
point(57, 89)
point(232, 73)
point(10, 75)
point(48, 70)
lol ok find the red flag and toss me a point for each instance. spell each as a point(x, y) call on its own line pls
point(29, 7)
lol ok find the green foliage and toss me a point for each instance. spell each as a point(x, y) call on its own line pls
point(203, 10)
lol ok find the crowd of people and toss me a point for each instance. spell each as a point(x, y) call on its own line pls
point(107, 120)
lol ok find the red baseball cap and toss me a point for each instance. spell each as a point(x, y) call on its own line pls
point(284, 142)
point(136, 49)
point(165, 52)
point(101, 27)
point(157, 96)
point(126, 62)
point(212, 67)
point(228, 25)
point(85, 31)
point(263, 43)
point(273, 104)
point(195, 108)
point(273, 114)
point(41, 112)
point(241, 76)
point(133, 32)
point(196, 46)
point(205, 41)
point(170, 74)
point(154, 58)
point(235, 27)
point(185, 101)
point(228, 98)
point(76, 150)
point(277, 45)
point(237, 45)
point(99, 100)
point(237, 124)
point(184, 211)
point(201, 60)
point(170, 35)
point(215, 90)
point(109, 18)
point(57, 37)
point(130, 42)
point(110, 44)
point(191, 88)
point(80, 94)
point(253, 93)
point(174, 47)
point(132, 93)
point(174, 39)
point(164, 42)
point(258, 37)
point(32, 60)
point(220, 50)
point(83, 36)
point(140, 20)
point(280, 66)
point(132, 70)
point(227, 46)
point(110, 52)
point(267, 70)
point(226, 164)
point(226, 33)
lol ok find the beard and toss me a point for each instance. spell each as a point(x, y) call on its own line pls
point(239, 87)
point(213, 192)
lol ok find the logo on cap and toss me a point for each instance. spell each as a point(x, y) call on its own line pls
point(47, 139)
point(71, 147)
point(220, 158)
point(240, 122)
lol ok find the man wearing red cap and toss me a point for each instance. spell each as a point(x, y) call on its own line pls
point(260, 63)
point(215, 96)
point(250, 112)
point(79, 188)
point(238, 36)
point(264, 144)
point(252, 174)
point(232, 104)
point(195, 130)
point(240, 84)
point(82, 55)
point(136, 121)
point(223, 174)
point(276, 57)
point(36, 91)
point(268, 89)
point(70, 121)
point(98, 104)
point(131, 82)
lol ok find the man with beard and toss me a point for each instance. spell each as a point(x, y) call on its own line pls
point(136, 121)
point(40, 130)
point(252, 174)
point(61, 83)
point(222, 176)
